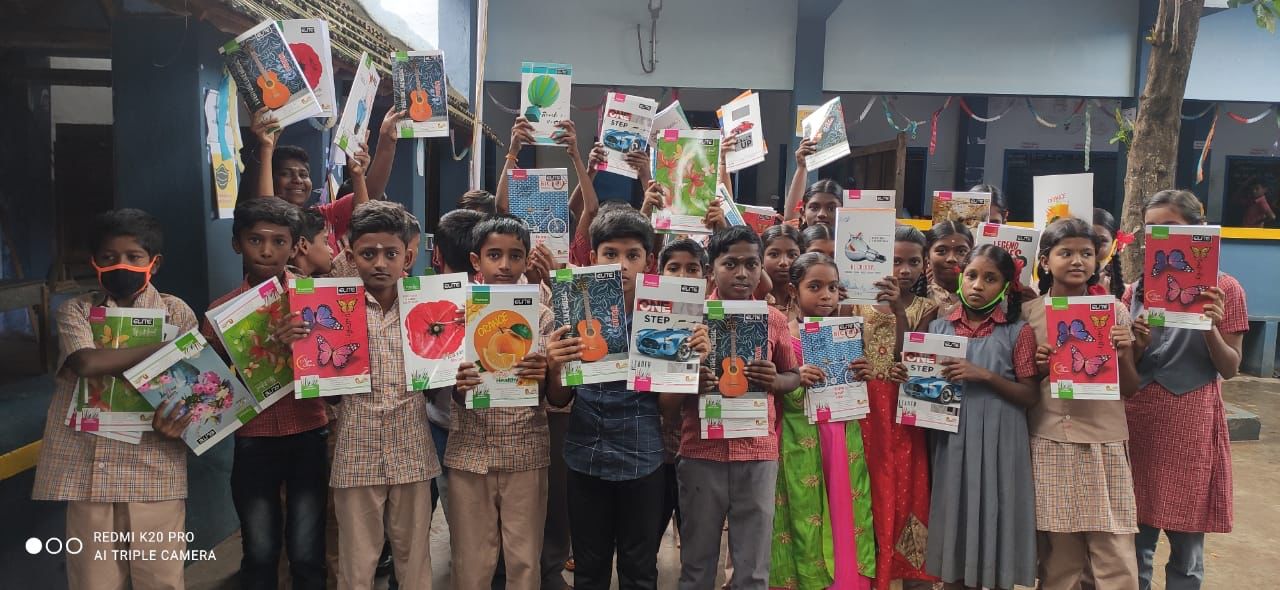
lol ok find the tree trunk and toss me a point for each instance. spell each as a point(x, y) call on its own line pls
point(1153, 153)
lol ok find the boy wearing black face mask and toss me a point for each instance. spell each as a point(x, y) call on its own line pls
point(111, 485)
point(286, 445)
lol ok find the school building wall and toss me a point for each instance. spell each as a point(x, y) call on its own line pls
point(1035, 47)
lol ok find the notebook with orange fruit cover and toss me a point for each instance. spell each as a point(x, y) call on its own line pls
point(502, 327)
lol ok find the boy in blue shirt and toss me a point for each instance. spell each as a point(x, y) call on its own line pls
point(613, 449)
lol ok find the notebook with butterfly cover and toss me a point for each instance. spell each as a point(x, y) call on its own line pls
point(334, 358)
point(268, 75)
point(244, 326)
point(503, 326)
point(432, 323)
point(926, 399)
point(108, 403)
point(831, 344)
point(418, 87)
point(1181, 264)
point(1083, 364)
point(540, 198)
point(590, 301)
point(188, 372)
point(864, 243)
point(1022, 243)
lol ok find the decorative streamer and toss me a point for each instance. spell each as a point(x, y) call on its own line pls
point(502, 107)
point(1044, 122)
point(1204, 154)
point(1197, 116)
point(453, 148)
point(912, 125)
point(933, 126)
point(865, 110)
point(1243, 120)
point(968, 111)
point(1088, 134)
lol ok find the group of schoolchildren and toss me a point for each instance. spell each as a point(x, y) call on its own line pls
point(1030, 487)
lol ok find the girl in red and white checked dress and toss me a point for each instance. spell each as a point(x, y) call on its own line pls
point(1179, 446)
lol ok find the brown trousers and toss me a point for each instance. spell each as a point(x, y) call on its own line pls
point(497, 509)
point(367, 516)
point(1065, 557)
point(150, 523)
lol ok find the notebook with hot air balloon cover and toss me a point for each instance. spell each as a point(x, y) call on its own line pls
point(267, 74)
point(432, 327)
point(1181, 264)
point(1083, 363)
point(418, 86)
point(864, 243)
point(544, 98)
point(333, 359)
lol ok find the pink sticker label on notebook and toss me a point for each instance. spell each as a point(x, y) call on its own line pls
point(267, 290)
point(824, 415)
point(98, 314)
point(908, 419)
point(944, 196)
point(644, 384)
point(671, 134)
point(619, 97)
point(715, 431)
point(916, 336)
point(652, 280)
point(990, 230)
point(519, 174)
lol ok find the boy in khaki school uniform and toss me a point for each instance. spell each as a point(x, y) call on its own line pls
point(110, 485)
point(384, 460)
point(498, 457)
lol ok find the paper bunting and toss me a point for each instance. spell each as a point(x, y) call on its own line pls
point(912, 125)
point(1204, 154)
point(933, 126)
point(968, 111)
point(1045, 123)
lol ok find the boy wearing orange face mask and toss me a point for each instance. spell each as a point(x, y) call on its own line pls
point(110, 485)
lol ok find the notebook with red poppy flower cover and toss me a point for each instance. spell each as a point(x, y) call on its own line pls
point(432, 328)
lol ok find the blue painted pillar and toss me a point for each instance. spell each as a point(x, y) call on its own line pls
point(807, 73)
point(971, 153)
point(162, 166)
point(27, 152)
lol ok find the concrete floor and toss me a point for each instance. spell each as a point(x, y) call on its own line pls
point(1248, 558)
